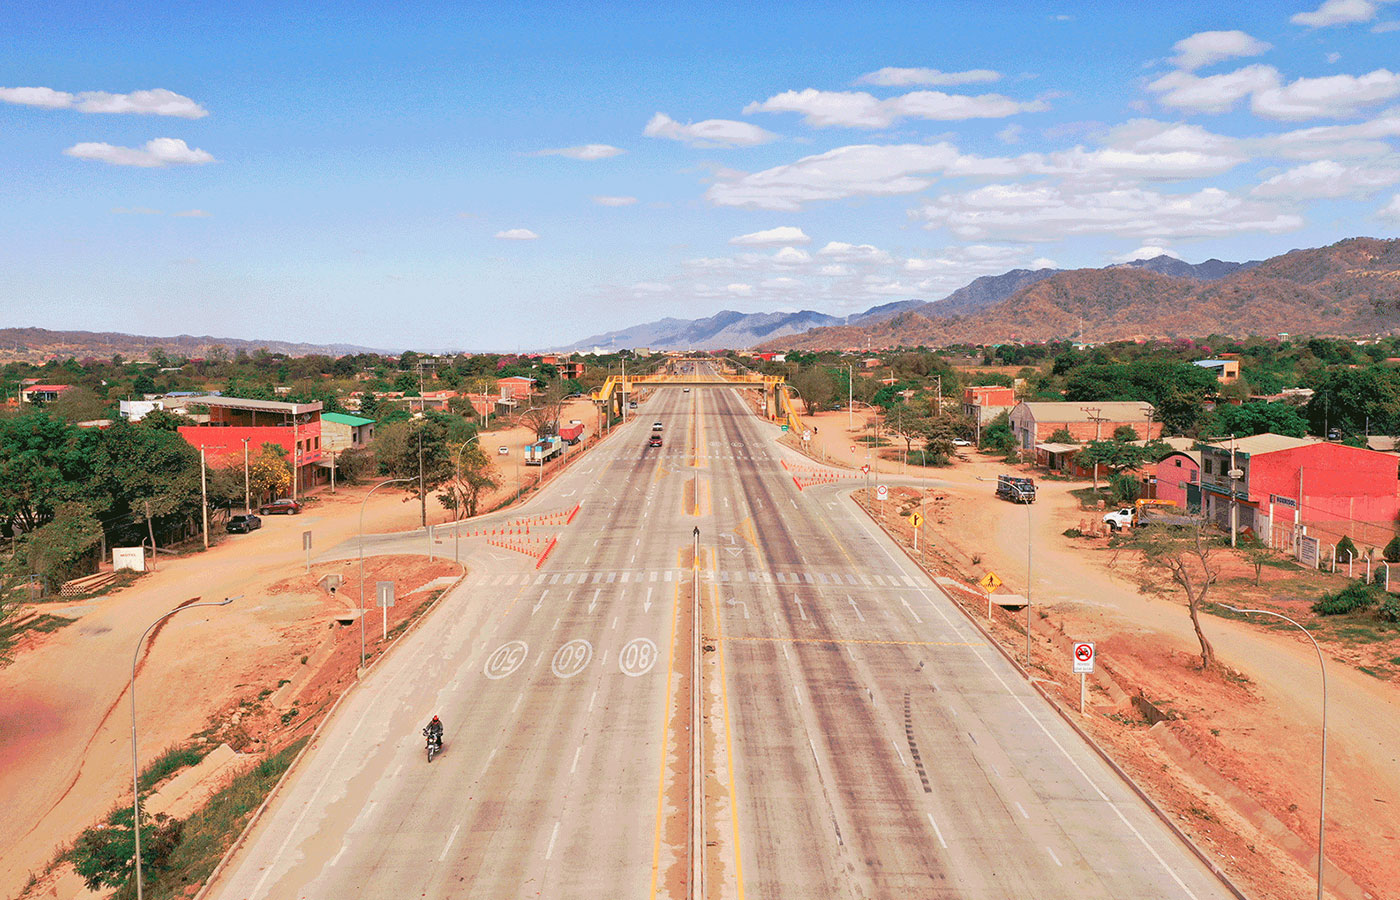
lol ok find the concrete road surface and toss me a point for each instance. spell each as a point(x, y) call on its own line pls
point(861, 740)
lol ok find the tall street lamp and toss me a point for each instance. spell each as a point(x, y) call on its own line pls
point(1322, 790)
point(457, 526)
point(135, 765)
point(362, 559)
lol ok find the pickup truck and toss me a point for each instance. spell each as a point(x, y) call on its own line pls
point(1146, 513)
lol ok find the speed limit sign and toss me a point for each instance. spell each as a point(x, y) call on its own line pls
point(1083, 658)
point(881, 492)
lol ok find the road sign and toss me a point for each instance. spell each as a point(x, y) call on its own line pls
point(1083, 658)
point(853, 448)
point(784, 428)
point(989, 582)
point(865, 469)
point(806, 436)
point(306, 540)
point(881, 492)
point(1236, 474)
point(916, 519)
point(384, 593)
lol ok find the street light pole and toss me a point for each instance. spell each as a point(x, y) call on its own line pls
point(135, 765)
point(1322, 789)
point(457, 526)
point(362, 560)
point(1028, 589)
point(247, 494)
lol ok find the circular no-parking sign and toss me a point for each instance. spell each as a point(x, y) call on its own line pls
point(1083, 657)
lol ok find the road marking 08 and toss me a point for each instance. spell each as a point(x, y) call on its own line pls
point(637, 657)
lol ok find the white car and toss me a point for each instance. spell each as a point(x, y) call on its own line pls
point(959, 442)
point(504, 451)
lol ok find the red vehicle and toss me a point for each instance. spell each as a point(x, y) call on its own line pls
point(280, 507)
point(654, 441)
point(572, 434)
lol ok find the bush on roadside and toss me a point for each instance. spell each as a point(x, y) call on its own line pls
point(1355, 597)
point(1124, 488)
point(1392, 550)
point(1347, 546)
point(1073, 533)
point(103, 854)
point(1390, 610)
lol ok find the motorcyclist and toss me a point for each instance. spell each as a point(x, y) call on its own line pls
point(434, 730)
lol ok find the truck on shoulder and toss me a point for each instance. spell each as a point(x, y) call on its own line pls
point(572, 433)
point(1016, 488)
point(1147, 512)
point(543, 450)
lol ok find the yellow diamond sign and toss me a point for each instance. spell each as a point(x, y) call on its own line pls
point(989, 582)
point(916, 519)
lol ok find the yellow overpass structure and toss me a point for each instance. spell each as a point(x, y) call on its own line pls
point(777, 404)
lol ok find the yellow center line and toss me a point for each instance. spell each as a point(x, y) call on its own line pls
point(796, 640)
point(728, 748)
point(665, 729)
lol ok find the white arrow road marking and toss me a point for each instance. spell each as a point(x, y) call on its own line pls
point(854, 607)
point(539, 603)
point(800, 611)
point(594, 602)
point(646, 604)
point(911, 610)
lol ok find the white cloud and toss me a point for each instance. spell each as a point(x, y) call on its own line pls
point(1364, 139)
point(1167, 165)
point(1147, 251)
point(708, 133)
point(1338, 12)
point(791, 256)
point(135, 211)
point(156, 154)
point(157, 102)
point(1385, 27)
point(614, 201)
point(1329, 97)
point(854, 253)
point(1042, 212)
point(191, 214)
point(857, 109)
point(739, 290)
point(1011, 134)
point(1391, 211)
point(1328, 179)
point(585, 151)
point(843, 172)
point(1333, 57)
point(783, 234)
point(781, 283)
point(652, 287)
point(1042, 262)
point(1213, 93)
point(892, 76)
point(1206, 48)
point(517, 234)
point(835, 270)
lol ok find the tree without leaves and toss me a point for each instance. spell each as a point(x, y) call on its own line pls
point(1258, 553)
point(1186, 555)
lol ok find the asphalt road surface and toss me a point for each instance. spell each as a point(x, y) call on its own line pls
point(861, 740)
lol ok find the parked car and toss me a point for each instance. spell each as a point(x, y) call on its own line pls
point(504, 451)
point(631, 404)
point(243, 524)
point(687, 390)
point(654, 441)
point(959, 442)
point(283, 507)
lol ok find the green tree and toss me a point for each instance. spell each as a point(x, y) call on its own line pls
point(1258, 553)
point(1346, 550)
point(397, 449)
point(1255, 418)
point(42, 464)
point(1125, 433)
point(64, 548)
point(1186, 555)
point(1062, 436)
point(816, 387)
point(140, 473)
point(473, 477)
point(997, 436)
point(1392, 550)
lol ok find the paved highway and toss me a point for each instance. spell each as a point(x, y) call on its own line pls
point(860, 739)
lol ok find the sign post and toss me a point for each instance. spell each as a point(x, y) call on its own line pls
point(384, 596)
point(989, 583)
point(916, 519)
point(306, 545)
point(1083, 666)
point(882, 493)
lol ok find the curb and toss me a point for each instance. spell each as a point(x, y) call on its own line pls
point(316, 732)
point(1127, 779)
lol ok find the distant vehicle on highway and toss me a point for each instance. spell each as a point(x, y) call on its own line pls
point(655, 426)
point(654, 441)
point(283, 507)
point(503, 451)
point(687, 390)
point(631, 404)
point(243, 524)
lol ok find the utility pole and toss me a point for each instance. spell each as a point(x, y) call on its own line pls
point(332, 471)
point(850, 398)
point(422, 495)
point(204, 496)
point(1095, 413)
point(247, 493)
point(1234, 500)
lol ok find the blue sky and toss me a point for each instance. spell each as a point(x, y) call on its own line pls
point(511, 176)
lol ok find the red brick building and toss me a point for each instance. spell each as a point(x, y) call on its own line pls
point(295, 427)
point(983, 403)
point(516, 387)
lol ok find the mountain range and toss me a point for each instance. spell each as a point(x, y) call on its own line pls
point(735, 330)
point(38, 345)
point(1350, 288)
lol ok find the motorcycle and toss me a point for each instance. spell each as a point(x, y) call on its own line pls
point(434, 745)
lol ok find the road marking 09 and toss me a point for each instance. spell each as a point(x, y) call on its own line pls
point(572, 658)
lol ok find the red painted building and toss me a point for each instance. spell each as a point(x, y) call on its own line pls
point(1285, 484)
point(295, 427)
point(1179, 479)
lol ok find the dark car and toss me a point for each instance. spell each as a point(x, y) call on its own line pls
point(243, 524)
point(654, 441)
point(280, 507)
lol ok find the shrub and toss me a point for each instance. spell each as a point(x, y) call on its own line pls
point(1124, 488)
point(1062, 436)
point(103, 854)
point(1352, 598)
point(1390, 610)
point(1392, 550)
point(1347, 546)
point(1073, 533)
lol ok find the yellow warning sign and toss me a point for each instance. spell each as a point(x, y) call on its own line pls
point(916, 519)
point(989, 582)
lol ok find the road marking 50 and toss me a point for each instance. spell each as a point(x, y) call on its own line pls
point(505, 659)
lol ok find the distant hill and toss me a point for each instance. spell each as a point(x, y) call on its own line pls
point(1210, 270)
point(983, 292)
point(41, 344)
point(724, 329)
point(1348, 288)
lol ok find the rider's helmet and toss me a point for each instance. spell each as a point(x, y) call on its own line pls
point(435, 719)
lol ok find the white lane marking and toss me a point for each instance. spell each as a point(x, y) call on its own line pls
point(800, 611)
point(337, 857)
point(937, 831)
point(856, 608)
point(549, 851)
point(364, 814)
point(574, 767)
point(1024, 814)
point(516, 704)
point(1054, 857)
point(799, 701)
point(911, 610)
point(396, 772)
point(614, 625)
point(505, 659)
point(590, 701)
point(540, 602)
point(785, 653)
point(868, 528)
point(604, 660)
point(556, 625)
point(492, 755)
point(450, 838)
point(900, 753)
